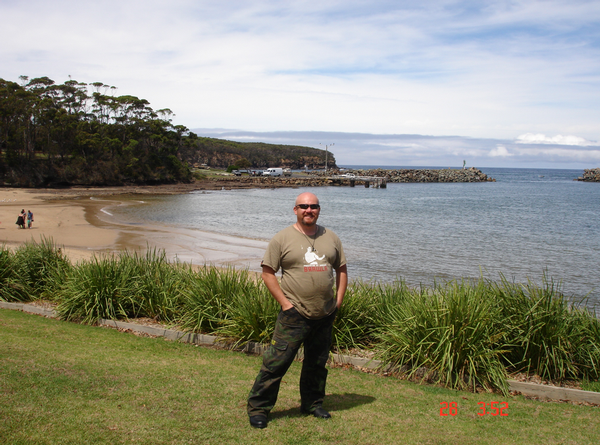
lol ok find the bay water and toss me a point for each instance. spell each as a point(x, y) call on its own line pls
point(527, 224)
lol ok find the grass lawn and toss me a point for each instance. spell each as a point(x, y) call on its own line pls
point(65, 383)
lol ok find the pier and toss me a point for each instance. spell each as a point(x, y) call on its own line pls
point(368, 181)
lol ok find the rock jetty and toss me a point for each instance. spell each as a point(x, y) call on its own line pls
point(268, 182)
point(424, 175)
point(320, 178)
point(590, 175)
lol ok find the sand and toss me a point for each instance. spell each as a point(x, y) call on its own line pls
point(79, 221)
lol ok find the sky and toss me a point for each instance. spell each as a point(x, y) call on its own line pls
point(388, 82)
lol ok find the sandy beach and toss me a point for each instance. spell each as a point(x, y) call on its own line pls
point(79, 221)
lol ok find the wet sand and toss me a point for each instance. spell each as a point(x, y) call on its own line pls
point(79, 221)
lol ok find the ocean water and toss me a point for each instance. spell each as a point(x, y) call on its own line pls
point(527, 224)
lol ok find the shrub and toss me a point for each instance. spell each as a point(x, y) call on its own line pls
point(37, 270)
point(355, 322)
point(204, 300)
point(250, 311)
point(103, 287)
point(550, 337)
point(450, 333)
point(11, 288)
point(158, 284)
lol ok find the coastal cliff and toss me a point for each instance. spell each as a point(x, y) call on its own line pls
point(590, 175)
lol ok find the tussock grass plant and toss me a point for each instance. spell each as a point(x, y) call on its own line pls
point(551, 337)
point(587, 351)
point(447, 335)
point(158, 284)
point(103, 287)
point(35, 270)
point(355, 322)
point(250, 310)
point(11, 288)
point(206, 299)
point(387, 296)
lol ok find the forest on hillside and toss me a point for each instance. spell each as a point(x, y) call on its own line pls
point(76, 133)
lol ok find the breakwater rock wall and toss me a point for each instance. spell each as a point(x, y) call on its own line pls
point(319, 179)
point(268, 182)
point(425, 175)
point(590, 175)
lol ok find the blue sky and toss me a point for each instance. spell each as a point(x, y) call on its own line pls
point(497, 83)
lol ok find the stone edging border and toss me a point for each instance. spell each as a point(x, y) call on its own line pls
point(525, 388)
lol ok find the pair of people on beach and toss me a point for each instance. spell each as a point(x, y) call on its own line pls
point(25, 217)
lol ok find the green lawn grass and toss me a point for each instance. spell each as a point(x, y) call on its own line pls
point(66, 383)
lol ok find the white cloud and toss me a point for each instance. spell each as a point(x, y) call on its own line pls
point(530, 138)
point(500, 151)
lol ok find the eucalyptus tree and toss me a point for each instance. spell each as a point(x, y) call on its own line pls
point(84, 133)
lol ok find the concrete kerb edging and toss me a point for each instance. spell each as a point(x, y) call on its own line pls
point(525, 388)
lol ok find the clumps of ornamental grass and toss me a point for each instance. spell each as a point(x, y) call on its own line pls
point(203, 300)
point(250, 310)
point(10, 287)
point(550, 336)
point(157, 284)
point(35, 270)
point(103, 287)
point(230, 303)
point(127, 285)
point(356, 320)
point(451, 332)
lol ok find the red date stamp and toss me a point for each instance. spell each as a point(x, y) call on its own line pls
point(492, 408)
point(448, 409)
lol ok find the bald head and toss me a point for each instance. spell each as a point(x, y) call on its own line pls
point(307, 198)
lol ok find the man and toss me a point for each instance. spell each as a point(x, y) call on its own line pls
point(307, 254)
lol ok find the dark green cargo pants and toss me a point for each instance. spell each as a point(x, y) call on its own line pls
point(291, 331)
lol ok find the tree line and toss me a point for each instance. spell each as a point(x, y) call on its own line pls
point(76, 133)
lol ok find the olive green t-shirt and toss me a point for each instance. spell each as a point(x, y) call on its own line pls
point(307, 264)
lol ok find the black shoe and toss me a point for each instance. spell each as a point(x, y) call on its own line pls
point(259, 421)
point(319, 413)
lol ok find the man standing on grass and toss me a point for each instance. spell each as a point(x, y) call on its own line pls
point(307, 255)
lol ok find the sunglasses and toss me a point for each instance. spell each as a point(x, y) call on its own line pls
point(306, 206)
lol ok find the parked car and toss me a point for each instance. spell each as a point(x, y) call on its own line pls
point(287, 172)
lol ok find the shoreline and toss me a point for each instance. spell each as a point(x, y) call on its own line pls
point(76, 221)
point(69, 222)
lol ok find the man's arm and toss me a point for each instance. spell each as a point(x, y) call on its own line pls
point(341, 283)
point(268, 276)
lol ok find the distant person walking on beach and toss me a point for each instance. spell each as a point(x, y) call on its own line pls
point(308, 255)
point(21, 219)
point(29, 219)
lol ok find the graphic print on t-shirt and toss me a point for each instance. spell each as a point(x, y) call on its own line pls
point(315, 262)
